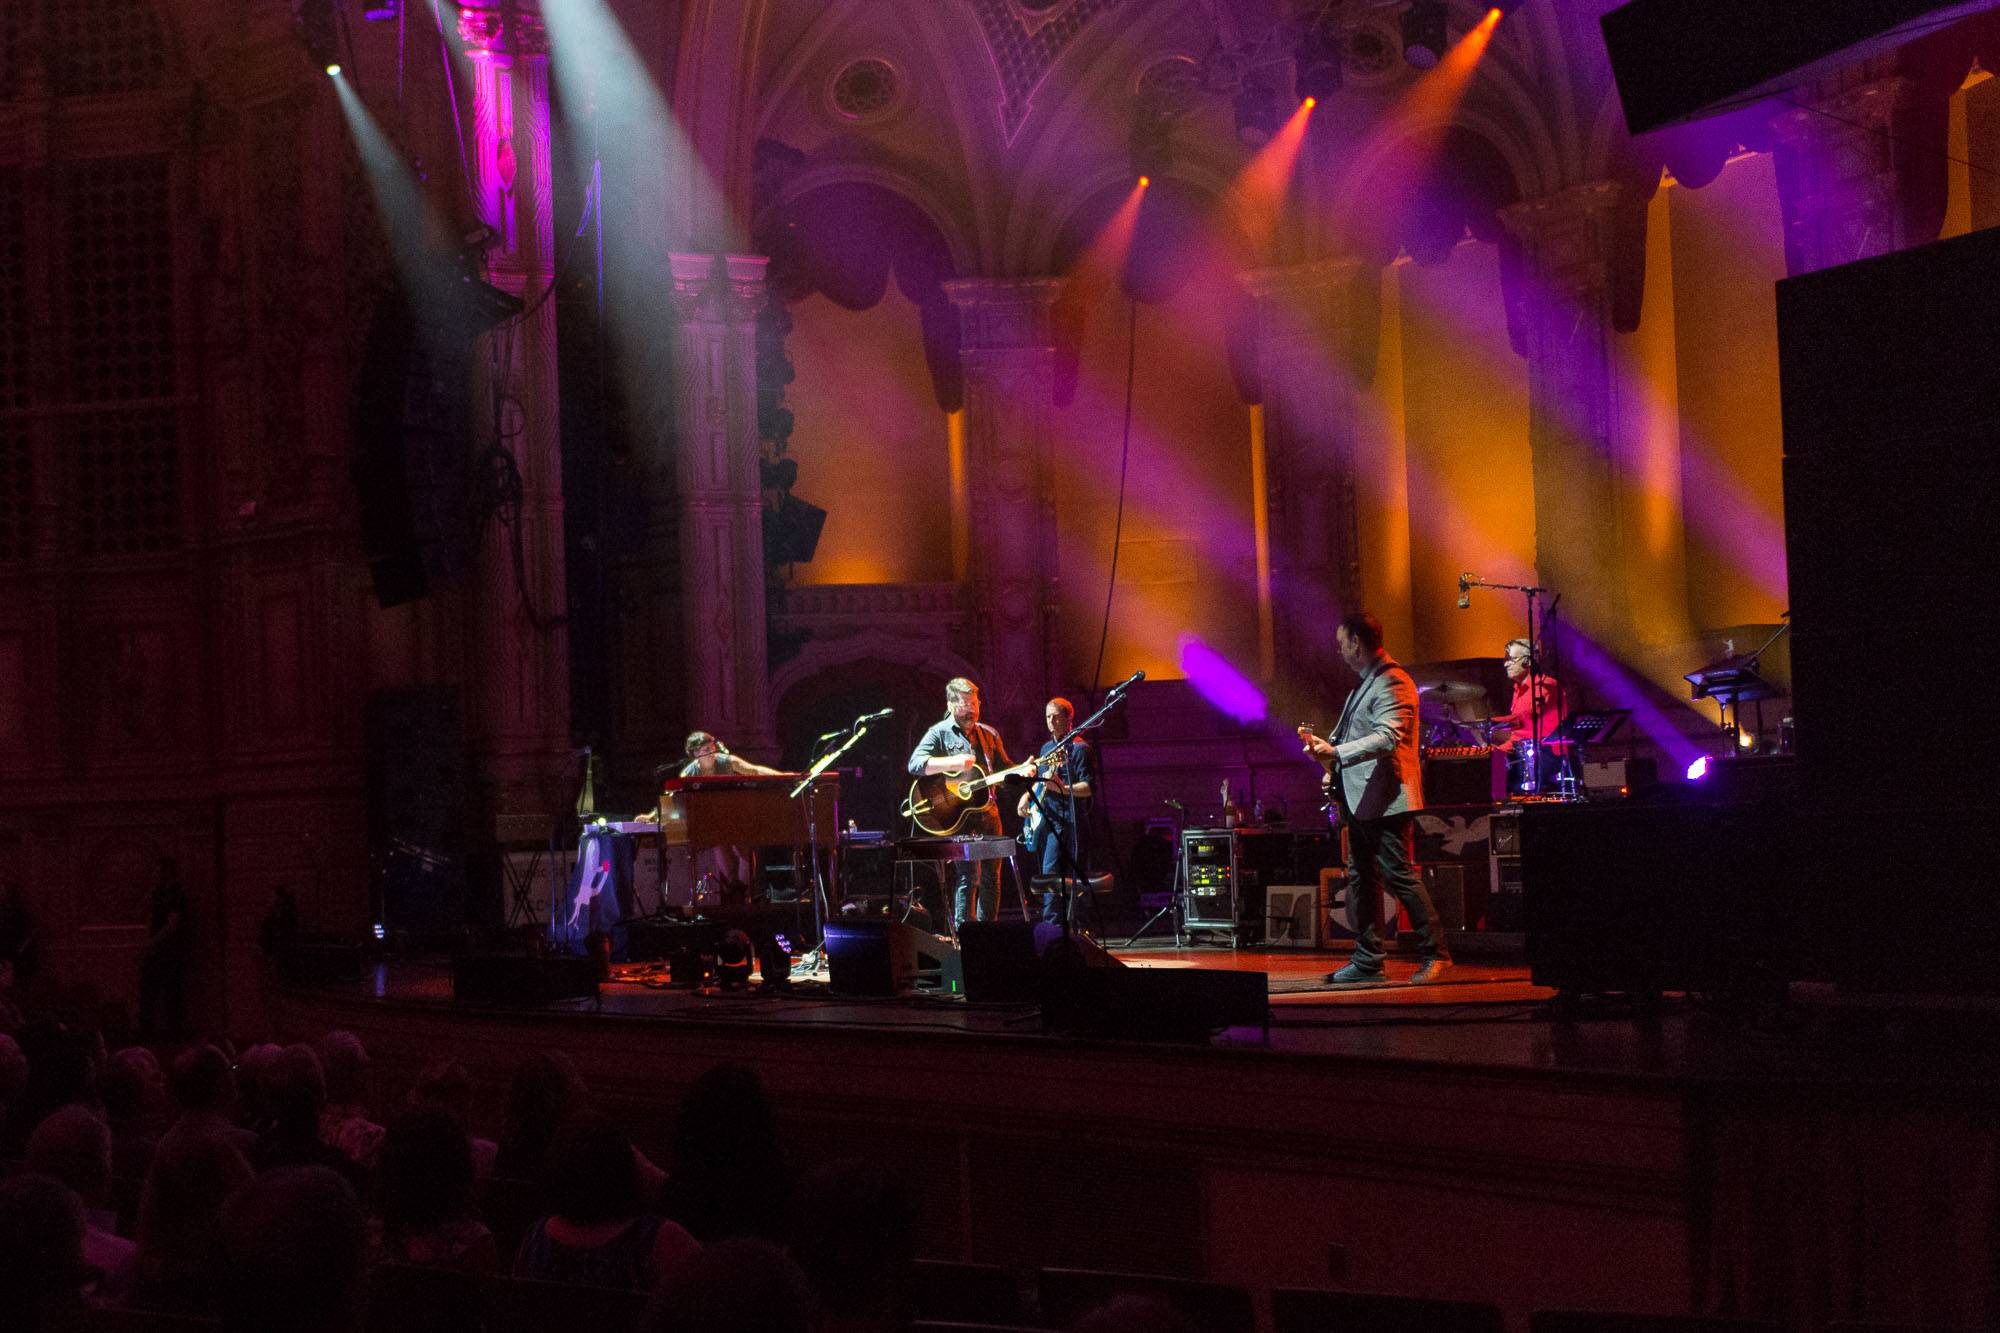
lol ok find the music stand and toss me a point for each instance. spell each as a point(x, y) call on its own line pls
point(1730, 680)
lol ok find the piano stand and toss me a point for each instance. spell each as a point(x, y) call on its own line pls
point(937, 851)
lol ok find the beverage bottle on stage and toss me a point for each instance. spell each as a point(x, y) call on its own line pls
point(1228, 809)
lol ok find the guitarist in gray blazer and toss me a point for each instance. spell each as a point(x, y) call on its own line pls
point(1372, 760)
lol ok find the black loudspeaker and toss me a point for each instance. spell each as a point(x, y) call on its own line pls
point(512, 980)
point(882, 957)
point(1153, 1004)
point(1688, 896)
point(1448, 886)
point(1677, 60)
point(413, 451)
point(418, 809)
point(1892, 411)
point(1003, 961)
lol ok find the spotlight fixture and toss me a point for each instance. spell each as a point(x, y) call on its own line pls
point(1316, 64)
point(1424, 37)
point(382, 11)
point(1152, 143)
point(333, 71)
point(1257, 117)
point(317, 22)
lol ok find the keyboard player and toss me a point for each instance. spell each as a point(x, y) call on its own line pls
point(735, 868)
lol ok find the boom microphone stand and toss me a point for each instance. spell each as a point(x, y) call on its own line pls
point(822, 905)
point(1466, 582)
point(1070, 874)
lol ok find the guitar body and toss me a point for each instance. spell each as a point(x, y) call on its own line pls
point(940, 802)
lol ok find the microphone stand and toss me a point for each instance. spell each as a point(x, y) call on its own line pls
point(1533, 785)
point(1070, 873)
point(822, 905)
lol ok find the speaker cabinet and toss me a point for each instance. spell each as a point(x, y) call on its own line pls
point(884, 957)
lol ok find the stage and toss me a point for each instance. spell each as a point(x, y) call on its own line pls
point(1444, 1140)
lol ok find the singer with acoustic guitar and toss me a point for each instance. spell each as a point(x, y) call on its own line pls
point(956, 745)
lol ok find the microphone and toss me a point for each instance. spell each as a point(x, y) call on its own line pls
point(875, 716)
point(1172, 804)
point(829, 735)
point(1465, 582)
point(1128, 682)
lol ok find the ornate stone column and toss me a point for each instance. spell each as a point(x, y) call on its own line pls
point(716, 497)
point(1301, 336)
point(1007, 346)
point(1561, 305)
point(1840, 171)
point(518, 672)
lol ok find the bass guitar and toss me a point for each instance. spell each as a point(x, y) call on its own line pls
point(939, 802)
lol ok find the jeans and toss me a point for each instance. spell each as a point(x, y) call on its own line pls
point(975, 885)
point(1383, 859)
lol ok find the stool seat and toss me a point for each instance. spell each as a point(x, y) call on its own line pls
point(1102, 883)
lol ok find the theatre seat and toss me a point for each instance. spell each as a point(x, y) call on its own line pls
point(954, 1293)
point(1297, 1310)
point(1595, 1321)
point(1214, 1307)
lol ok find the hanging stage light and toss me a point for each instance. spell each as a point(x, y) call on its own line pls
point(318, 30)
point(1424, 36)
point(1316, 63)
point(1257, 116)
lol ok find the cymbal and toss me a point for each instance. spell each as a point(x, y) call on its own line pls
point(1452, 691)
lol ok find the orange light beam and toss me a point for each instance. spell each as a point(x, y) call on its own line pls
point(1257, 195)
point(1418, 120)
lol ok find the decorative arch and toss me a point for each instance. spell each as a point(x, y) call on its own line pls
point(823, 655)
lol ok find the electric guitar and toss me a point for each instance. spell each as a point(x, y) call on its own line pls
point(1329, 768)
point(939, 802)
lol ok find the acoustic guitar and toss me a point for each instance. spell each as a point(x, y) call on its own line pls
point(939, 802)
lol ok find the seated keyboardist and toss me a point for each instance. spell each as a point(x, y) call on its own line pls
point(733, 868)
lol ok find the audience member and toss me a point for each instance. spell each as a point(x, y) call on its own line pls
point(447, 1086)
point(599, 1233)
point(179, 1219)
point(292, 1246)
point(545, 1093)
point(134, 1094)
point(743, 1285)
point(59, 1072)
point(204, 1088)
point(854, 1234)
point(295, 1094)
point(423, 1196)
point(74, 1146)
point(727, 1173)
point(252, 1070)
point(344, 1122)
point(42, 1271)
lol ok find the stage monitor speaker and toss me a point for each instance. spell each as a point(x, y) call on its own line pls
point(1003, 961)
point(883, 957)
point(1153, 1004)
point(514, 980)
point(1676, 60)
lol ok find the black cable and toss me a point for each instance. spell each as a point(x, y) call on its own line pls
point(1118, 523)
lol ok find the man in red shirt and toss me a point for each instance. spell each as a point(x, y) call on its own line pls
point(1531, 717)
